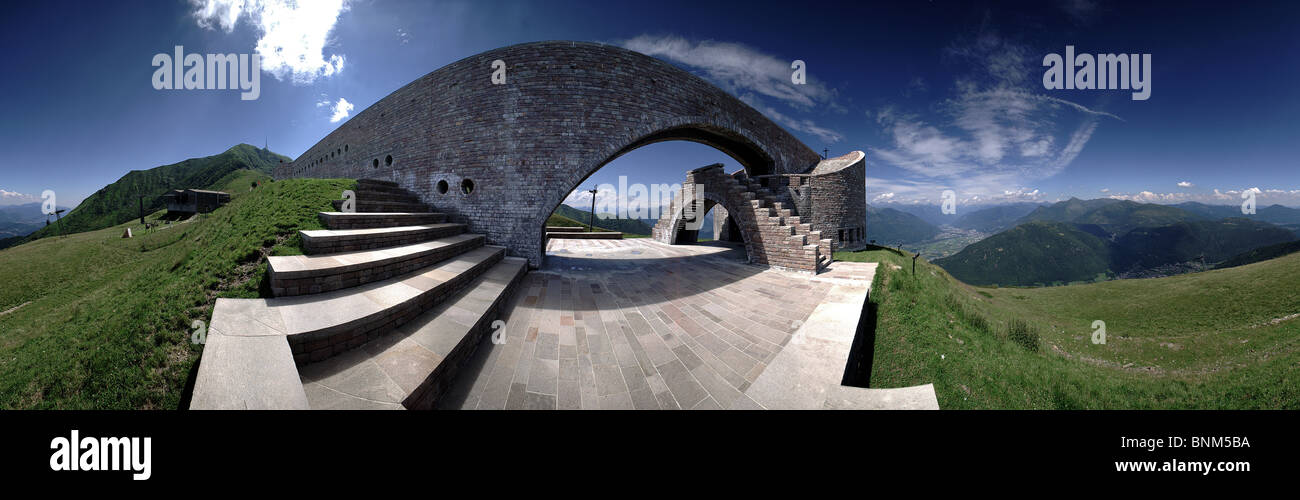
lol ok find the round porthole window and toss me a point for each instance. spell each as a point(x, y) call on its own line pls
point(466, 186)
point(376, 163)
point(442, 186)
point(388, 161)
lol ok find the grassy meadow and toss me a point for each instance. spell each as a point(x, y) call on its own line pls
point(97, 321)
point(1220, 339)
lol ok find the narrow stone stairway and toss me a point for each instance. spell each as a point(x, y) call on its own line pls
point(379, 314)
point(775, 234)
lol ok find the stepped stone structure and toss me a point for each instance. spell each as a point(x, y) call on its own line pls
point(789, 221)
point(498, 157)
point(381, 312)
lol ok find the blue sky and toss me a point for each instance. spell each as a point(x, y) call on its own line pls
point(941, 95)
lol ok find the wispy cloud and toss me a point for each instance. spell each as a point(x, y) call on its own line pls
point(995, 135)
point(1185, 184)
point(751, 75)
point(293, 34)
point(827, 136)
point(736, 67)
point(403, 36)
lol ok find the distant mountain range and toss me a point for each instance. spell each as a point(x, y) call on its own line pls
point(890, 227)
point(21, 220)
point(18, 221)
point(1082, 240)
point(995, 218)
point(118, 202)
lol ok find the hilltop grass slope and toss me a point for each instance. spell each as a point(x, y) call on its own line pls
point(104, 322)
point(610, 223)
point(118, 202)
point(1223, 339)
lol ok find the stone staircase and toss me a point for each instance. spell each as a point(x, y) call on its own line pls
point(380, 313)
point(777, 236)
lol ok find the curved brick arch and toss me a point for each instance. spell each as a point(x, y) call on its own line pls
point(712, 199)
point(566, 109)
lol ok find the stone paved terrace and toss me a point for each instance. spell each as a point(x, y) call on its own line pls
point(638, 324)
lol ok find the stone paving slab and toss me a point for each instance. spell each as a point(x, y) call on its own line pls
point(247, 373)
point(638, 324)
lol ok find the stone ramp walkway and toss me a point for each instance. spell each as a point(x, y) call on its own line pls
point(637, 324)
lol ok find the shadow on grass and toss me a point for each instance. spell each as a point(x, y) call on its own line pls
point(187, 393)
point(857, 372)
point(892, 250)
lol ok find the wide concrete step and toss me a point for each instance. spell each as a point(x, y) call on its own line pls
point(363, 205)
point(596, 235)
point(367, 220)
point(319, 326)
point(383, 197)
point(414, 365)
point(380, 189)
point(376, 182)
point(322, 241)
point(561, 229)
point(303, 274)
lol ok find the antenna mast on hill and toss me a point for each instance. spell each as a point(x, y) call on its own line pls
point(591, 221)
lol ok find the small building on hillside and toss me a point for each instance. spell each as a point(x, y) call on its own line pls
point(192, 201)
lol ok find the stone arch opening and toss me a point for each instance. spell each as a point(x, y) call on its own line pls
point(736, 144)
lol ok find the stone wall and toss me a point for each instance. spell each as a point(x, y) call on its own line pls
point(500, 158)
point(839, 200)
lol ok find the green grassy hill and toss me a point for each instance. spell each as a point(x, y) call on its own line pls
point(1072, 210)
point(1117, 217)
point(1046, 253)
point(1214, 241)
point(1222, 339)
point(1036, 253)
point(105, 322)
point(1261, 254)
point(117, 203)
point(626, 226)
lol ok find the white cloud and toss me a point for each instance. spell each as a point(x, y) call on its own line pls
point(736, 67)
point(403, 36)
point(341, 110)
point(827, 136)
point(1185, 184)
point(971, 190)
point(607, 201)
point(293, 34)
point(16, 198)
point(1105, 190)
point(1264, 197)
